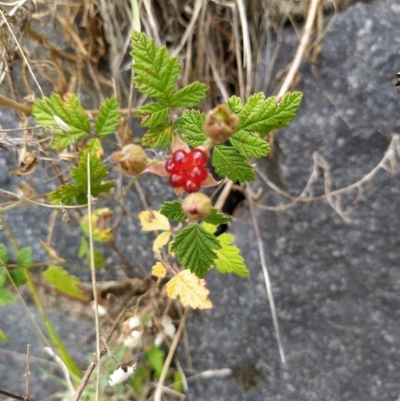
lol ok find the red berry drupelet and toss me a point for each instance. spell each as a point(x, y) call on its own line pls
point(187, 169)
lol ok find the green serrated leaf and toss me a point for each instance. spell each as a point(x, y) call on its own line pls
point(155, 357)
point(235, 104)
point(210, 228)
point(158, 137)
point(261, 115)
point(173, 211)
point(3, 337)
point(68, 118)
point(190, 95)
point(229, 259)
point(67, 193)
point(249, 144)
point(195, 248)
point(18, 276)
point(94, 147)
point(3, 276)
point(138, 380)
point(99, 259)
point(153, 114)
point(190, 127)
point(155, 71)
point(83, 247)
point(228, 162)
point(24, 258)
point(217, 218)
point(178, 382)
point(6, 298)
point(278, 114)
point(108, 119)
point(3, 254)
point(63, 282)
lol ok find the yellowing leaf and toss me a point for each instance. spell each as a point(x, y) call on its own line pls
point(51, 252)
point(190, 289)
point(100, 221)
point(159, 270)
point(153, 221)
point(211, 228)
point(63, 282)
point(161, 240)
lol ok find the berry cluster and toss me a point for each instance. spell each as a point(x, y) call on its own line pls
point(187, 169)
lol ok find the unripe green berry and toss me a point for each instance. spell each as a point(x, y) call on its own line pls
point(196, 206)
point(220, 123)
point(132, 159)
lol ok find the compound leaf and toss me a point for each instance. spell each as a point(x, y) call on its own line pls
point(68, 118)
point(235, 104)
point(173, 211)
point(191, 290)
point(24, 258)
point(63, 282)
point(153, 114)
point(190, 95)
point(190, 127)
point(108, 119)
point(6, 297)
point(195, 248)
point(229, 259)
point(217, 218)
point(3, 254)
point(158, 137)
point(65, 194)
point(249, 144)
point(228, 162)
point(155, 71)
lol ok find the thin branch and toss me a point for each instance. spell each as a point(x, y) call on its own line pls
point(266, 275)
point(27, 372)
point(23, 108)
point(301, 49)
point(15, 396)
point(93, 273)
point(171, 352)
point(388, 162)
point(22, 53)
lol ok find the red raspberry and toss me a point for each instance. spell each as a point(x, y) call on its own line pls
point(187, 169)
point(198, 157)
point(177, 180)
point(198, 174)
point(170, 166)
point(180, 158)
point(191, 186)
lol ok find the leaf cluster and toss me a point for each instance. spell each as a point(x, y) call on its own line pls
point(67, 120)
point(258, 117)
point(156, 75)
point(67, 193)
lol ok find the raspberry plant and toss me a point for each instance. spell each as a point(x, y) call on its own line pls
point(229, 135)
point(225, 138)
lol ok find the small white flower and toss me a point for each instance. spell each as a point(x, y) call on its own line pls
point(132, 332)
point(101, 310)
point(168, 326)
point(124, 372)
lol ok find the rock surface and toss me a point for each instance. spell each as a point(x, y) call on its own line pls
point(336, 284)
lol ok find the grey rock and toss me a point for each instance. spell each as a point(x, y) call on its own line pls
point(336, 284)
